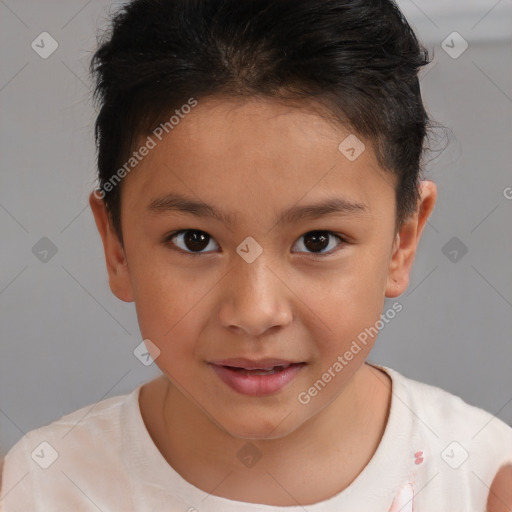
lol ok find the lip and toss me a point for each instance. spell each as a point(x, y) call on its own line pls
point(253, 364)
point(256, 385)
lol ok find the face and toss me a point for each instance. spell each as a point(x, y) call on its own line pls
point(272, 275)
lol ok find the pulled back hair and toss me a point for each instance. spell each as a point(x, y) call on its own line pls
point(359, 59)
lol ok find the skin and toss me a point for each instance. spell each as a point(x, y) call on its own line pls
point(255, 159)
point(500, 495)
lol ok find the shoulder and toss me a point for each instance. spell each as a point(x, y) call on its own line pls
point(444, 410)
point(78, 443)
point(83, 424)
point(469, 447)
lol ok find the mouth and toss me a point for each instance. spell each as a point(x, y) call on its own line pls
point(262, 365)
point(260, 371)
point(256, 378)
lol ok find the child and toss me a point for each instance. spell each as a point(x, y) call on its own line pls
point(286, 136)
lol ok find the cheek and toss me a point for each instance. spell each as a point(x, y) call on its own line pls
point(170, 321)
point(165, 302)
point(354, 297)
point(350, 312)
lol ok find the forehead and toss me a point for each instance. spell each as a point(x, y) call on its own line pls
point(246, 154)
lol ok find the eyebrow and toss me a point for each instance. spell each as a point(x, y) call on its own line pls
point(330, 207)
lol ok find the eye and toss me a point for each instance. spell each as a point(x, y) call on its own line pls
point(317, 241)
point(192, 241)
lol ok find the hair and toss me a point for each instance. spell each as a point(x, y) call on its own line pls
point(357, 59)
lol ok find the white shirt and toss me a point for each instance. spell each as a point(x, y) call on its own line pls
point(437, 454)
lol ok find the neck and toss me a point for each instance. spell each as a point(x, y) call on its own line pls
point(337, 443)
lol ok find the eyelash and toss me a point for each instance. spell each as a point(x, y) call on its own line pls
point(168, 242)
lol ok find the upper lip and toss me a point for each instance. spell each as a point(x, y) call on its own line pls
point(249, 364)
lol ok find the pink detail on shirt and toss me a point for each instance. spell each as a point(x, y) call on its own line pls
point(404, 500)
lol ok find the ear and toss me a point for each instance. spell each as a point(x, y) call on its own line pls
point(117, 268)
point(406, 243)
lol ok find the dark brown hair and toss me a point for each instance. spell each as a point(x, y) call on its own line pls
point(357, 58)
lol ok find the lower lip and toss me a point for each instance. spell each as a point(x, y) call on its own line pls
point(257, 385)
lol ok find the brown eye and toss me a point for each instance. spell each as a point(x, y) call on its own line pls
point(191, 241)
point(316, 242)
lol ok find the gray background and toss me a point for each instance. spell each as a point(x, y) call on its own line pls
point(67, 342)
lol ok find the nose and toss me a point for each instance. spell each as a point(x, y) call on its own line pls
point(256, 299)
